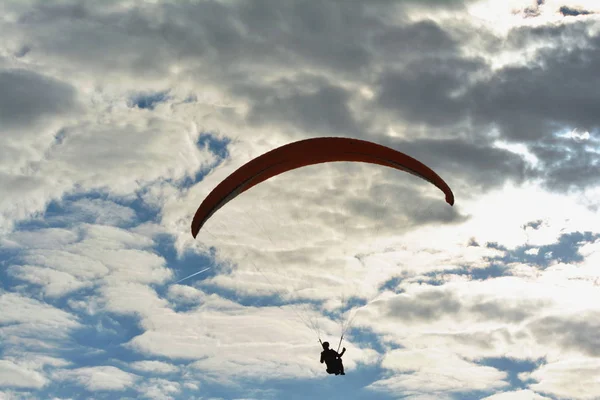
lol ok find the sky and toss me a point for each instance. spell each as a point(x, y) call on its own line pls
point(117, 118)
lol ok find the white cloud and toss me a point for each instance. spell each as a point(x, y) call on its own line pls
point(36, 361)
point(182, 294)
point(97, 378)
point(506, 15)
point(50, 238)
point(16, 395)
point(560, 213)
point(436, 371)
point(154, 366)
point(55, 283)
point(191, 385)
point(159, 389)
point(237, 340)
point(124, 150)
point(14, 375)
point(575, 378)
point(102, 212)
point(516, 395)
point(94, 255)
point(132, 298)
point(22, 317)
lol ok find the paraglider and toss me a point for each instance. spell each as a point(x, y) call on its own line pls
point(304, 153)
point(309, 152)
point(332, 359)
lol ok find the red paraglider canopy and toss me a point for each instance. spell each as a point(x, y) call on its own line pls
point(309, 152)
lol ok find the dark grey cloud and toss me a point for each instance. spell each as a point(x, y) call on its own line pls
point(473, 243)
point(573, 12)
point(527, 104)
point(566, 164)
point(306, 101)
point(317, 108)
point(428, 4)
point(391, 208)
point(27, 97)
point(531, 12)
point(501, 311)
point(533, 224)
point(557, 90)
point(283, 58)
point(214, 38)
point(425, 306)
point(231, 40)
point(534, 10)
point(556, 93)
point(425, 91)
point(436, 303)
point(413, 40)
point(578, 333)
point(467, 165)
point(96, 39)
point(480, 340)
point(42, 12)
point(22, 51)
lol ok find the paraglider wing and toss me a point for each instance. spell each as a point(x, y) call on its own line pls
point(309, 152)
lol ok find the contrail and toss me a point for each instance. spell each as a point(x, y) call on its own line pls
point(199, 272)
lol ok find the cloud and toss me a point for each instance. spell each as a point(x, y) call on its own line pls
point(16, 395)
point(421, 372)
point(476, 319)
point(99, 211)
point(97, 378)
point(55, 283)
point(16, 376)
point(159, 389)
point(518, 90)
point(119, 119)
point(573, 12)
point(436, 101)
point(517, 395)
point(501, 166)
point(93, 255)
point(427, 306)
point(29, 98)
point(182, 294)
point(574, 332)
point(324, 110)
point(154, 366)
point(25, 318)
point(237, 341)
point(573, 378)
point(414, 39)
